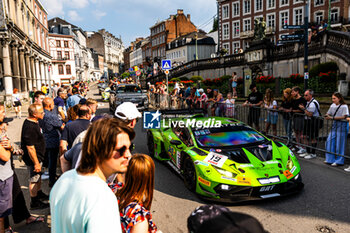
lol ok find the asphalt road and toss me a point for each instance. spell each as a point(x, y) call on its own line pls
point(323, 205)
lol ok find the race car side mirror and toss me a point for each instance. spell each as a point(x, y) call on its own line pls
point(176, 142)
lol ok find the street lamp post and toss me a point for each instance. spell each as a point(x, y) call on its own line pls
point(196, 45)
point(329, 15)
point(306, 45)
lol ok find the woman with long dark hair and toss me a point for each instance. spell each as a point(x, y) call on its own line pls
point(135, 197)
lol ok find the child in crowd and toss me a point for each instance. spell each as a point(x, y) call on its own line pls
point(135, 197)
point(230, 105)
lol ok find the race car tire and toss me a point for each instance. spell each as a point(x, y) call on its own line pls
point(189, 174)
point(150, 144)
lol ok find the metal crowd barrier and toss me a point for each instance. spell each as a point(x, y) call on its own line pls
point(316, 133)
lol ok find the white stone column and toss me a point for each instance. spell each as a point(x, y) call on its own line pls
point(28, 72)
point(33, 71)
point(42, 72)
point(38, 76)
point(15, 61)
point(23, 77)
point(7, 70)
point(47, 74)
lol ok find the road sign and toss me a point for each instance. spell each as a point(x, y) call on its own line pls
point(166, 64)
point(306, 75)
point(166, 72)
point(298, 36)
point(293, 26)
point(138, 73)
point(288, 41)
point(131, 69)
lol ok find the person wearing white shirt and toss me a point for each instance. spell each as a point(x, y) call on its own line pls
point(81, 201)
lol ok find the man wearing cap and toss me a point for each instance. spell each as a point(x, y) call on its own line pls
point(128, 114)
point(254, 101)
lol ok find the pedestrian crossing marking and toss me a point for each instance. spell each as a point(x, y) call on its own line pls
point(166, 64)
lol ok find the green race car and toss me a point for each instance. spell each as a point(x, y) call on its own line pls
point(224, 159)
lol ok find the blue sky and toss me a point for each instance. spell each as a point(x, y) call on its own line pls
point(128, 18)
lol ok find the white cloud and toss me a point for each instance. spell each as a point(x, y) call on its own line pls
point(99, 14)
point(74, 16)
point(58, 7)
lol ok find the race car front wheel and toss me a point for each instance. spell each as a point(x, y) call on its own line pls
point(150, 144)
point(189, 173)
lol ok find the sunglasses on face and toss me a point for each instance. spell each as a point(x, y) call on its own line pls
point(122, 150)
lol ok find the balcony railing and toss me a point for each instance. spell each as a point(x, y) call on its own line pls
point(247, 34)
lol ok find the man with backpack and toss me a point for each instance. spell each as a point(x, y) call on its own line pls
point(312, 124)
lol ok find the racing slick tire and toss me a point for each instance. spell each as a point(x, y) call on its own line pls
point(189, 174)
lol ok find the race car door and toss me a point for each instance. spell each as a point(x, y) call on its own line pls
point(180, 135)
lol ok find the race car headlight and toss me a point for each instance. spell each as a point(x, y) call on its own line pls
point(226, 173)
point(290, 164)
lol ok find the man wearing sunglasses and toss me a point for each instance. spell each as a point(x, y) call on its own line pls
point(81, 200)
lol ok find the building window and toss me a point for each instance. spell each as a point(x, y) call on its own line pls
point(66, 44)
point(298, 16)
point(235, 29)
point(60, 70)
point(58, 43)
point(236, 46)
point(284, 2)
point(247, 25)
point(225, 12)
point(271, 4)
point(284, 18)
point(235, 9)
point(335, 15)
point(271, 20)
point(66, 55)
point(68, 70)
point(225, 31)
point(59, 55)
point(318, 17)
point(246, 7)
point(319, 2)
point(298, 1)
point(226, 46)
point(258, 5)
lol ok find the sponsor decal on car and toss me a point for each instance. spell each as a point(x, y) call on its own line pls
point(178, 159)
point(203, 181)
point(244, 180)
point(197, 162)
point(293, 169)
point(228, 178)
point(215, 159)
point(287, 174)
point(271, 162)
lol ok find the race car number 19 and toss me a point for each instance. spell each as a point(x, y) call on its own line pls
point(215, 159)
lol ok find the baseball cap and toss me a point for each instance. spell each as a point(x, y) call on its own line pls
point(127, 111)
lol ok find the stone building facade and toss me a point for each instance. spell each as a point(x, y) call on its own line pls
point(168, 30)
point(110, 46)
point(24, 50)
point(236, 18)
point(63, 63)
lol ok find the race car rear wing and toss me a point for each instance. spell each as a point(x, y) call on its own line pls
point(173, 113)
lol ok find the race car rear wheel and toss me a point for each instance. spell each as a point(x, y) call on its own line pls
point(189, 173)
point(150, 144)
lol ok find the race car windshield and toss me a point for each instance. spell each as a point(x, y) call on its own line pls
point(129, 89)
point(226, 136)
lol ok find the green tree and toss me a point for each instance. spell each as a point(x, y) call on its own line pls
point(215, 25)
